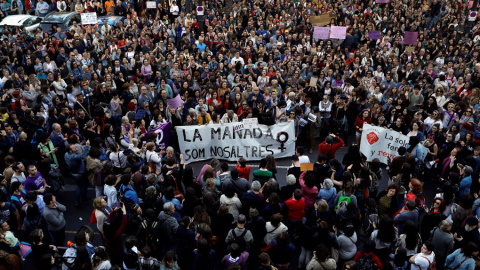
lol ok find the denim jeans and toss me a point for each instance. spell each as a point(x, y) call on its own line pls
point(82, 185)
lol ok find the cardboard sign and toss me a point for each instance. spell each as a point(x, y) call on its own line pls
point(410, 38)
point(89, 18)
point(374, 35)
point(321, 20)
point(151, 4)
point(306, 167)
point(313, 81)
point(409, 49)
point(321, 32)
point(338, 32)
point(250, 122)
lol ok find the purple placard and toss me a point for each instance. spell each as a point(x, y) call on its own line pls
point(381, 1)
point(410, 38)
point(321, 32)
point(175, 102)
point(338, 32)
point(374, 35)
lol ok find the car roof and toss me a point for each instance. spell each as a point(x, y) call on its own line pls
point(15, 20)
point(58, 17)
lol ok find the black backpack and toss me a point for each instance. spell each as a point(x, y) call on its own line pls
point(240, 239)
point(152, 238)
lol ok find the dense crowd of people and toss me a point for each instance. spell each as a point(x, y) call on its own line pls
point(78, 106)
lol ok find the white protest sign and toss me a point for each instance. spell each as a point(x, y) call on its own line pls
point(381, 143)
point(250, 122)
point(302, 122)
point(222, 142)
point(89, 18)
point(151, 4)
point(312, 117)
point(238, 126)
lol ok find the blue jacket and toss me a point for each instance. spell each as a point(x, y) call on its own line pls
point(465, 185)
point(75, 161)
point(455, 260)
point(130, 194)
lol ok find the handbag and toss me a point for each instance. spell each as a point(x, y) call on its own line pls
point(458, 265)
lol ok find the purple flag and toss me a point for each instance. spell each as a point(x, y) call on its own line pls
point(410, 38)
point(175, 102)
point(321, 32)
point(163, 134)
point(374, 35)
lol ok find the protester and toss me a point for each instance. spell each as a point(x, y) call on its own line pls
point(129, 88)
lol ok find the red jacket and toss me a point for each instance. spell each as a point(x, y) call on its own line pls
point(330, 149)
point(296, 209)
point(243, 172)
point(360, 121)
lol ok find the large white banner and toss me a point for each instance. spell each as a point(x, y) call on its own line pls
point(381, 143)
point(222, 142)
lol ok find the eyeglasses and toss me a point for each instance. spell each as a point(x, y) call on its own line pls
point(437, 202)
point(469, 111)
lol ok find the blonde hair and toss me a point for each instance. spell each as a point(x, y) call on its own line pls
point(97, 202)
point(210, 182)
point(322, 206)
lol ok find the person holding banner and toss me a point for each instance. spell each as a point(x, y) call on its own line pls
point(363, 117)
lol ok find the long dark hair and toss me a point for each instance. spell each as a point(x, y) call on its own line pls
point(410, 230)
point(386, 231)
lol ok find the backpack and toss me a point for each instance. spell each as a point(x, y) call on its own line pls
point(34, 141)
point(121, 196)
point(152, 239)
point(365, 262)
point(342, 202)
point(239, 239)
point(431, 265)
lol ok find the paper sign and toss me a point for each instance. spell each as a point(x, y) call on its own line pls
point(374, 35)
point(410, 38)
point(321, 32)
point(200, 10)
point(89, 18)
point(470, 4)
point(381, 1)
point(313, 81)
point(321, 20)
point(306, 167)
point(472, 16)
point(175, 102)
point(303, 122)
point(151, 4)
point(238, 126)
point(338, 32)
point(250, 123)
point(312, 117)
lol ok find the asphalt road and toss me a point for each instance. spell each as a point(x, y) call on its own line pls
point(76, 216)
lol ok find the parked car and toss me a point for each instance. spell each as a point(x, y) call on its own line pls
point(111, 20)
point(30, 22)
point(63, 20)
